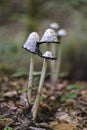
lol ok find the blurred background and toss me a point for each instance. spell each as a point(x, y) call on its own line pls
point(18, 18)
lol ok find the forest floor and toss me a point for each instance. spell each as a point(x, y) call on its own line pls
point(65, 108)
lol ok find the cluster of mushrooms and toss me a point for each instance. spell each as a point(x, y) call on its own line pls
point(32, 44)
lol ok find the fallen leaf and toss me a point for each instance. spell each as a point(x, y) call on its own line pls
point(62, 126)
point(10, 94)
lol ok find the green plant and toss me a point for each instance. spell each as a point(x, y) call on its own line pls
point(74, 87)
point(20, 73)
point(8, 48)
point(72, 92)
point(69, 95)
point(8, 128)
point(27, 89)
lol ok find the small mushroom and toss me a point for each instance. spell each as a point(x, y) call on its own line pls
point(61, 33)
point(31, 46)
point(54, 26)
point(46, 56)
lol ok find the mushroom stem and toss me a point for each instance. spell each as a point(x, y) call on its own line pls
point(54, 26)
point(37, 101)
point(58, 62)
point(52, 63)
point(48, 47)
point(30, 79)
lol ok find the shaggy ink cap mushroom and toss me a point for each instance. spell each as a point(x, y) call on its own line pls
point(49, 37)
point(48, 55)
point(35, 107)
point(31, 46)
point(31, 43)
point(54, 25)
point(61, 33)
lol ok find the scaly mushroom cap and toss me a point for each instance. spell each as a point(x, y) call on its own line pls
point(54, 26)
point(31, 42)
point(61, 33)
point(48, 55)
point(49, 37)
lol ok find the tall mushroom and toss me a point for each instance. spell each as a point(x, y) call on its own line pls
point(54, 26)
point(48, 37)
point(54, 49)
point(31, 46)
point(60, 34)
point(46, 55)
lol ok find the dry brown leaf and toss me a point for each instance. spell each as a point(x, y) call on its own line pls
point(62, 126)
point(5, 121)
point(45, 106)
point(10, 94)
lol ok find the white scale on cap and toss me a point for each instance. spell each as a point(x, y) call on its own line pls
point(31, 42)
point(48, 54)
point(49, 36)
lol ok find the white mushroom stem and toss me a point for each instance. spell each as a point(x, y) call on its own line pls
point(30, 79)
point(30, 45)
point(54, 26)
point(37, 101)
point(58, 62)
point(55, 66)
point(52, 63)
point(61, 33)
point(48, 46)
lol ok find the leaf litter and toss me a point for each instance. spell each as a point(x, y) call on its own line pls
point(55, 113)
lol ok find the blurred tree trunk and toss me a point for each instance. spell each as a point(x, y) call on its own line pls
point(32, 12)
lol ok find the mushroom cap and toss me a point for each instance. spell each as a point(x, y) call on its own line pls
point(48, 55)
point(54, 25)
point(31, 42)
point(49, 37)
point(62, 33)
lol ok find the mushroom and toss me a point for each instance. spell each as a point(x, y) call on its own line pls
point(46, 55)
point(54, 26)
point(60, 34)
point(31, 46)
point(48, 37)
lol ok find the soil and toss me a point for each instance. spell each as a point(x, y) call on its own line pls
point(58, 110)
